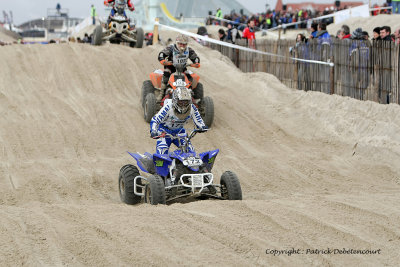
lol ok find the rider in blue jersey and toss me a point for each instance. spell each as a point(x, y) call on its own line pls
point(172, 117)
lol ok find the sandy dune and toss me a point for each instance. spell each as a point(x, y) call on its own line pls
point(7, 36)
point(317, 171)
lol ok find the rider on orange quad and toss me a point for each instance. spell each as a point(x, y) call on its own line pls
point(176, 53)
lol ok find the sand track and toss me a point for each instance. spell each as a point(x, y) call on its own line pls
point(317, 171)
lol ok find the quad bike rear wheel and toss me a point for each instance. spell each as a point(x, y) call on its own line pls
point(149, 109)
point(198, 92)
point(126, 180)
point(154, 191)
point(147, 88)
point(230, 186)
point(208, 110)
point(98, 35)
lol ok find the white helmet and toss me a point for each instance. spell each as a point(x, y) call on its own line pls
point(181, 100)
point(181, 42)
point(120, 3)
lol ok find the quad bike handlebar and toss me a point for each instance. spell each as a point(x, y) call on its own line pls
point(191, 135)
point(183, 146)
point(182, 66)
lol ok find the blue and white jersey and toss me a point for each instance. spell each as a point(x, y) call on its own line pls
point(167, 120)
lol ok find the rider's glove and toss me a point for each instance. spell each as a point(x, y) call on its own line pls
point(132, 9)
point(153, 134)
point(203, 129)
point(195, 65)
point(165, 62)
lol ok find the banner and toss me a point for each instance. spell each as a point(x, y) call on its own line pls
point(208, 39)
point(342, 16)
point(360, 11)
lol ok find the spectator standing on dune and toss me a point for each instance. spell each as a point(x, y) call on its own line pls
point(222, 35)
point(86, 38)
point(219, 13)
point(385, 33)
point(397, 36)
point(93, 14)
point(344, 32)
point(376, 34)
point(323, 36)
point(314, 31)
point(58, 7)
point(249, 34)
point(219, 16)
point(232, 34)
point(365, 35)
point(359, 63)
point(396, 6)
point(203, 32)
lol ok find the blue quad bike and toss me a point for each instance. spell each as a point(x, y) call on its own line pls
point(180, 174)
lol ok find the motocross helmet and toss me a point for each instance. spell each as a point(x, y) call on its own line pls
point(181, 100)
point(181, 42)
point(120, 6)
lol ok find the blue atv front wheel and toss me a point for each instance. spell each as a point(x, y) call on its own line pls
point(230, 186)
point(154, 191)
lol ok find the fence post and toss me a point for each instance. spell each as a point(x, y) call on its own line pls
point(296, 72)
point(279, 33)
point(332, 78)
point(237, 58)
point(155, 33)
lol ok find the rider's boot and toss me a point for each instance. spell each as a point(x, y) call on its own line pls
point(162, 92)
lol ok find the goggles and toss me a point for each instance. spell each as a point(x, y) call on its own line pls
point(183, 103)
point(181, 44)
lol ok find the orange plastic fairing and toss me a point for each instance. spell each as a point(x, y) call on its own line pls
point(156, 79)
point(172, 80)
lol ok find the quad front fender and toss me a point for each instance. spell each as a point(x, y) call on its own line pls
point(208, 158)
point(162, 163)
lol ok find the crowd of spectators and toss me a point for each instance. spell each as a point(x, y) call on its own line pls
point(318, 31)
point(271, 19)
point(3, 43)
point(87, 39)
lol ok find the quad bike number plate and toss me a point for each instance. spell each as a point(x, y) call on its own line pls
point(192, 162)
point(179, 82)
point(197, 180)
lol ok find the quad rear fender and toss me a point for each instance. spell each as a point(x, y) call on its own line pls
point(195, 81)
point(143, 161)
point(162, 163)
point(156, 78)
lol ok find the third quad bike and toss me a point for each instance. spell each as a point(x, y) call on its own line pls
point(119, 30)
point(152, 87)
point(182, 173)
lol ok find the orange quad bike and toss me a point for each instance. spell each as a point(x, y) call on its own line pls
point(151, 88)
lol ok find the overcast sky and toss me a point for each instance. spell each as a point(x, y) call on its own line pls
point(25, 10)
